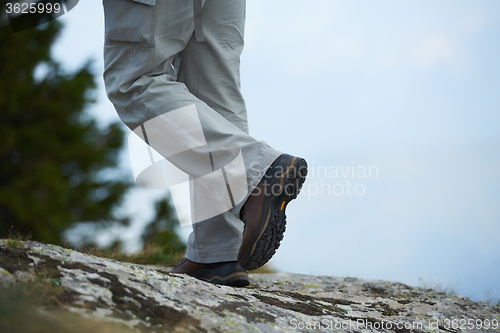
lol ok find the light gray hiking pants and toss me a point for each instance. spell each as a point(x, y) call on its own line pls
point(154, 65)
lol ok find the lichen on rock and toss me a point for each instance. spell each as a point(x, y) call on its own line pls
point(148, 299)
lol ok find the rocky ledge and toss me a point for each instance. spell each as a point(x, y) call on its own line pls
point(148, 299)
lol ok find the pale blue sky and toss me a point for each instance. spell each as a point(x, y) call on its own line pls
point(411, 87)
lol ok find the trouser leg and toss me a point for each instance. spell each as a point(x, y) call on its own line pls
point(142, 43)
point(211, 71)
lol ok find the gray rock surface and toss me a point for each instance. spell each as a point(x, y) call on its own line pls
point(149, 299)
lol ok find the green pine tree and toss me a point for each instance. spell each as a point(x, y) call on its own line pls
point(52, 155)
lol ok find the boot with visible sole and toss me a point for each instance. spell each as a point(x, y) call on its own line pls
point(264, 211)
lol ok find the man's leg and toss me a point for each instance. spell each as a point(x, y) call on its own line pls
point(211, 71)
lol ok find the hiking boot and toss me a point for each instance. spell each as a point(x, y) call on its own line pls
point(227, 273)
point(264, 211)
